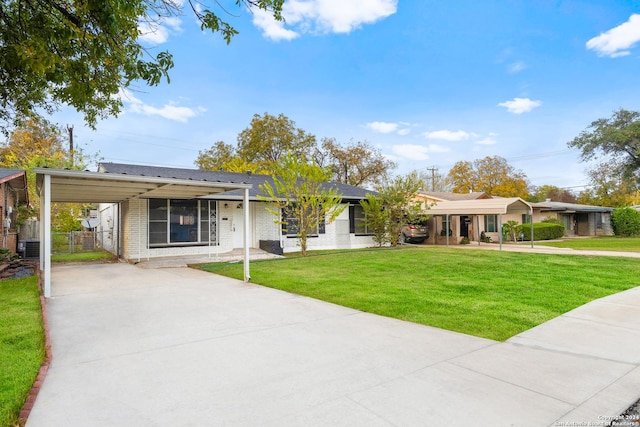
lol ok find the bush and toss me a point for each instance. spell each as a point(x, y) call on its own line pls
point(543, 231)
point(626, 222)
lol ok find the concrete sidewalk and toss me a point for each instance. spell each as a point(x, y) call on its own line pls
point(167, 347)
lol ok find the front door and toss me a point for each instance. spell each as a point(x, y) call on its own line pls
point(464, 226)
point(237, 227)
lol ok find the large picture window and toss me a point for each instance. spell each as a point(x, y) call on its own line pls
point(182, 222)
point(491, 223)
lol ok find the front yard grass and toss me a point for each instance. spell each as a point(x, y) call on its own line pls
point(620, 244)
point(485, 293)
point(21, 344)
point(97, 255)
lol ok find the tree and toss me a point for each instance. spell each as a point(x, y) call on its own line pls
point(39, 144)
point(433, 181)
point(357, 164)
point(300, 191)
point(394, 205)
point(617, 139)
point(493, 175)
point(552, 192)
point(215, 157)
point(269, 138)
point(82, 53)
point(609, 187)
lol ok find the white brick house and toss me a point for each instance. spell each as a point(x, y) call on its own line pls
point(142, 228)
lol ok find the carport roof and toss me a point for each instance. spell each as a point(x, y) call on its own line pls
point(74, 186)
point(496, 206)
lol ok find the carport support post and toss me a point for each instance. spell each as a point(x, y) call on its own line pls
point(446, 231)
point(500, 229)
point(532, 227)
point(245, 204)
point(45, 240)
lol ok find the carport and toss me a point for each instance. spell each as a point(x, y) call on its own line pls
point(74, 186)
point(496, 206)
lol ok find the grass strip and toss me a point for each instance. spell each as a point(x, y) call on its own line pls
point(22, 344)
point(488, 294)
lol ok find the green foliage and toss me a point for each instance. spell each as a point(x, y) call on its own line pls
point(393, 206)
point(626, 222)
point(617, 139)
point(491, 294)
point(376, 218)
point(356, 164)
point(269, 138)
point(556, 194)
point(552, 220)
point(492, 175)
point(83, 53)
point(300, 187)
point(543, 231)
point(511, 229)
point(21, 344)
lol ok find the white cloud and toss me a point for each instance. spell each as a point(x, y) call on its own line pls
point(486, 141)
point(618, 40)
point(323, 16)
point(520, 105)
point(417, 152)
point(382, 127)
point(158, 32)
point(168, 111)
point(448, 135)
point(516, 67)
point(405, 131)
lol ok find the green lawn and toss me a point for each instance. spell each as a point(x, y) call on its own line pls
point(626, 244)
point(485, 293)
point(21, 344)
point(97, 255)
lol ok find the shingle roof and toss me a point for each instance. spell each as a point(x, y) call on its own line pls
point(6, 173)
point(348, 192)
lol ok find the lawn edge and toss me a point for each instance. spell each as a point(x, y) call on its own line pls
point(48, 356)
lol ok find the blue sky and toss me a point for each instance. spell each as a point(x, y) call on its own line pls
point(427, 82)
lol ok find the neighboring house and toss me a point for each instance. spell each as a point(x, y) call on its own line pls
point(13, 192)
point(469, 216)
point(437, 224)
point(578, 220)
point(155, 227)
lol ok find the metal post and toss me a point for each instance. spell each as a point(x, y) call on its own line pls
point(247, 234)
point(531, 227)
point(478, 228)
point(500, 229)
point(45, 242)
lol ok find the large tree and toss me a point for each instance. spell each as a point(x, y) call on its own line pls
point(40, 144)
point(609, 187)
point(215, 157)
point(268, 139)
point(556, 194)
point(83, 52)
point(300, 198)
point(617, 139)
point(493, 175)
point(357, 164)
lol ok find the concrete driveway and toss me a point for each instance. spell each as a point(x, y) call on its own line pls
point(181, 347)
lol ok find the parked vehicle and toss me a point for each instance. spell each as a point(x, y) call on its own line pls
point(414, 233)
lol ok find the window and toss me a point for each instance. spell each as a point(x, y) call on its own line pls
point(357, 220)
point(598, 221)
point(526, 219)
point(181, 221)
point(491, 223)
point(290, 224)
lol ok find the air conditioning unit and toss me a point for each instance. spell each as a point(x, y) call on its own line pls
point(29, 249)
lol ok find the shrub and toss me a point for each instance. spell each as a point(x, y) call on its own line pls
point(552, 220)
point(543, 231)
point(626, 222)
point(465, 241)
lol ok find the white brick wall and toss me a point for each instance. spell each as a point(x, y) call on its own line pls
point(135, 231)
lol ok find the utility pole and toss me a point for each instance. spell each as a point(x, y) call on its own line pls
point(433, 170)
point(70, 130)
